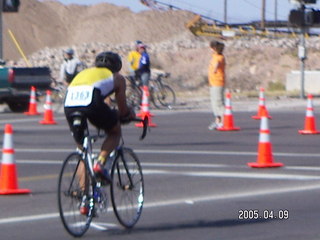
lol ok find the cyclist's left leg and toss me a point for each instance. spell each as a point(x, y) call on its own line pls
point(111, 142)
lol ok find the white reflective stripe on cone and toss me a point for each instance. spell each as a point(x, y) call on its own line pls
point(309, 112)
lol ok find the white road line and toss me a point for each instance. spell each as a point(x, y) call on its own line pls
point(28, 218)
point(207, 173)
point(103, 226)
point(194, 200)
point(5, 121)
point(273, 176)
point(232, 175)
point(182, 152)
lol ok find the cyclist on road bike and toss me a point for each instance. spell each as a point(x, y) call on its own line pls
point(86, 94)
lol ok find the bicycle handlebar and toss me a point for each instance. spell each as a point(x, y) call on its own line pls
point(145, 123)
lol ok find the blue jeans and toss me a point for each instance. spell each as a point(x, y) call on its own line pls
point(145, 77)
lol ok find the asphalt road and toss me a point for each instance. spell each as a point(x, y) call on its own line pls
point(198, 184)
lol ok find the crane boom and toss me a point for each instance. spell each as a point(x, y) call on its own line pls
point(202, 25)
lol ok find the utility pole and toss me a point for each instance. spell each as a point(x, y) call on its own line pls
point(263, 14)
point(275, 14)
point(302, 55)
point(225, 11)
point(1, 32)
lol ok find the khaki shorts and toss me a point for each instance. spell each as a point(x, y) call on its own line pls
point(217, 100)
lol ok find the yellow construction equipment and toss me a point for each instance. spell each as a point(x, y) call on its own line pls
point(205, 26)
point(200, 27)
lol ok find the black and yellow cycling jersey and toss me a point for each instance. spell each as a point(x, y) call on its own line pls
point(99, 78)
point(86, 94)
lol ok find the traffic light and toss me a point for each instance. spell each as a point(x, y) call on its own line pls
point(310, 1)
point(304, 17)
point(303, 1)
point(10, 5)
point(296, 17)
point(316, 17)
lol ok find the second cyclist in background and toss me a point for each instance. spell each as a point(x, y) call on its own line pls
point(143, 72)
point(70, 67)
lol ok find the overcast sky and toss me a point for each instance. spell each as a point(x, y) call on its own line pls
point(238, 10)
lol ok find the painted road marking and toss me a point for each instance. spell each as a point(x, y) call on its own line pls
point(233, 175)
point(176, 165)
point(182, 152)
point(194, 200)
point(197, 173)
point(5, 121)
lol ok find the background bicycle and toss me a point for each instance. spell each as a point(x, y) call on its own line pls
point(77, 184)
point(161, 94)
point(58, 92)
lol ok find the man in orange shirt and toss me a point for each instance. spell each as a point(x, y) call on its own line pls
point(216, 77)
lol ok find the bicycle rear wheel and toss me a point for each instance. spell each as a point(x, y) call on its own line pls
point(127, 188)
point(74, 183)
point(165, 96)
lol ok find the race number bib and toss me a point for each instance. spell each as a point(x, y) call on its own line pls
point(79, 96)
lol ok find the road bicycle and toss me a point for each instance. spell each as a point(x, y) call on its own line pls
point(161, 94)
point(77, 184)
point(58, 93)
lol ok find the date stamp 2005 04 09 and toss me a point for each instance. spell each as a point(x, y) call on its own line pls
point(248, 214)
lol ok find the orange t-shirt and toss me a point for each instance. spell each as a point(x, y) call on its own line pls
point(217, 78)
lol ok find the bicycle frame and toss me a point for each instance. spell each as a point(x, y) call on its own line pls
point(87, 154)
point(88, 149)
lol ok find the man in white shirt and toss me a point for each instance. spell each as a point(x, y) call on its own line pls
point(70, 67)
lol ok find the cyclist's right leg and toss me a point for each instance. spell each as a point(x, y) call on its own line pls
point(78, 124)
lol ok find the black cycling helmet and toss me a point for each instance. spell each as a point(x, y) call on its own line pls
point(109, 60)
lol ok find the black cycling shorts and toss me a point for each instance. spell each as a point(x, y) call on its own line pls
point(98, 113)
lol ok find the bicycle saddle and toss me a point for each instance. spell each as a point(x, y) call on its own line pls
point(77, 118)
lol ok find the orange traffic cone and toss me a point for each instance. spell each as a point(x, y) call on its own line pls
point(310, 122)
point(144, 112)
point(32, 103)
point(228, 117)
point(262, 109)
point(265, 157)
point(48, 114)
point(8, 174)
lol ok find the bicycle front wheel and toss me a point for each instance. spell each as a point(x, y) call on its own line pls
point(74, 184)
point(57, 97)
point(165, 96)
point(127, 188)
point(134, 95)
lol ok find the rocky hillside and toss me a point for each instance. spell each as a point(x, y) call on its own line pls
point(45, 28)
